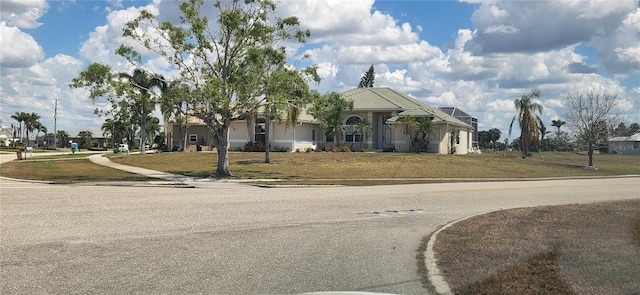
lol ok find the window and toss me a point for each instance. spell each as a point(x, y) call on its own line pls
point(193, 137)
point(636, 145)
point(260, 134)
point(313, 135)
point(350, 130)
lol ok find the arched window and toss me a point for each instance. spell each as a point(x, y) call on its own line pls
point(350, 130)
point(260, 134)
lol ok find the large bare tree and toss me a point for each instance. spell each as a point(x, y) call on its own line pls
point(589, 115)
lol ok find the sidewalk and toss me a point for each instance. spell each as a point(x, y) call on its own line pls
point(104, 161)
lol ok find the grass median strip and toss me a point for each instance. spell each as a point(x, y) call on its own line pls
point(576, 249)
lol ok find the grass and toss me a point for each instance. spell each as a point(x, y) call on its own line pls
point(367, 168)
point(576, 249)
point(65, 171)
point(354, 169)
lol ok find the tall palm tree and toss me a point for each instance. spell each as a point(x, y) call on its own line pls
point(143, 82)
point(558, 123)
point(527, 119)
point(31, 124)
point(21, 117)
point(40, 128)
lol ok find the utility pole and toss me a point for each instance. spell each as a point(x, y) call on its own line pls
point(55, 126)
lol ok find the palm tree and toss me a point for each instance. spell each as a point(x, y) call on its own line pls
point(40, 128)
point(557, 123)
point(175, 106)
point(31, 124)
point(21, 117)
point(424, 129)
point(143, 82)
point(527, 119)
point(409, 124)
point(543, 133)
point(363, 129)
point(152, 128)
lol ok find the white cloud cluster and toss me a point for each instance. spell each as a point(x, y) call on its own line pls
point(23, 14)
point(513, 47)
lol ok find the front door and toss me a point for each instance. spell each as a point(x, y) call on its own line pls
point(384, 137)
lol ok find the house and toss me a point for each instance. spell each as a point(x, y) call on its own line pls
point(465, 117)
point(382, 107)
point(625, 144)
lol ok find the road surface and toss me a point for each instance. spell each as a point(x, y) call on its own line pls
point(238, 239)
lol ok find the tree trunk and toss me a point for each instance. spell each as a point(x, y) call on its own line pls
point(221, 138)
point(267, 128)
point(590, 153)
point(143, 133)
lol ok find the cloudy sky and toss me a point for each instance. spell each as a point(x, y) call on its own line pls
point(475, 55)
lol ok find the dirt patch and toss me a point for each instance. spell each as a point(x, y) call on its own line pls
point(577, 249)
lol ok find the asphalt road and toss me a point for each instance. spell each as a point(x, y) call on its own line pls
point(237, 239)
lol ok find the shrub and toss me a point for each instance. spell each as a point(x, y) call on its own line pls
point(254, 147)
point(309, 149)
point(279, 149)
point(345, 149)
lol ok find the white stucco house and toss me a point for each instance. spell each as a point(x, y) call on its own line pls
point(382, 107)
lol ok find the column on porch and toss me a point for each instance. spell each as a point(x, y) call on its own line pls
point(370, 138)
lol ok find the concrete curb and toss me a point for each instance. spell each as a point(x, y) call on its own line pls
point(434, 274)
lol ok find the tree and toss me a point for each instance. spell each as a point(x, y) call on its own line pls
point(102, 82)
point(527, 120)
point(152, 128)
point(424, 129)
point(589, 116)
point(32, 123)
point(419, 129)
point(221, 64)
point(634, 128)
point(543, 133)
point(363, 128)
point(175, 105)
point(285, 92)
point(368, 78)
point(40, 128)
point(21, 117)
point(328, 109)
point(86, 138)
point(63, 137)
point(142, 83)
point(558, 123)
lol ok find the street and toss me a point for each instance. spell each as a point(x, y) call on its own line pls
point(239, 239)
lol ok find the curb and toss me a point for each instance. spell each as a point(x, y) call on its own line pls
point(434, 274)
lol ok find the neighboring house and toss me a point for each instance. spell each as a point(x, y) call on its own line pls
point(464, 117)
point(625, 144)
point(5, 136)
point(381, 107)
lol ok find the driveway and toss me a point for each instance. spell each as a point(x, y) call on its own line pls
point(245, 240)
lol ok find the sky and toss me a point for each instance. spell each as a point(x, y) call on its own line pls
point(476, 55)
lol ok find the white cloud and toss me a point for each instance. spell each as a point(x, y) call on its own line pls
point(23, 14)
point(19, 49)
